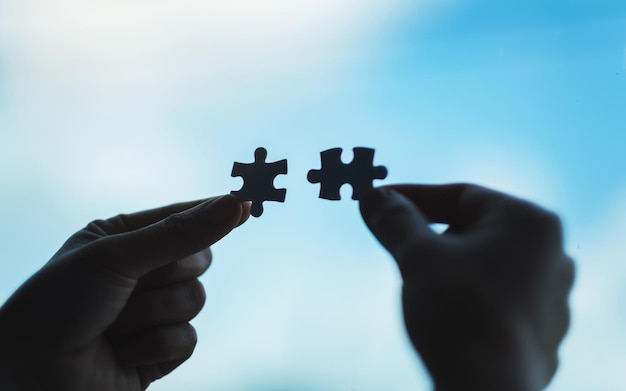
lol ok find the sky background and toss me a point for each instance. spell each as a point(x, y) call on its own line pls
point(115, 106)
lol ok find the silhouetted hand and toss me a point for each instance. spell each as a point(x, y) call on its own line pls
point(110, 311)
point(486, 302)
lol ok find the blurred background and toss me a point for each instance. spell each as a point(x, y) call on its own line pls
point(121, 105)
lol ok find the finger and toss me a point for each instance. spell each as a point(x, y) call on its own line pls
point(555, 308)
point(127, 222)
point(158, 345)
point(150, 373)
point(397, 223)
point(568, 275)
point(172, 304)
point(245, 212)
point(454, 204)
point(136, 253)
point(185, 269)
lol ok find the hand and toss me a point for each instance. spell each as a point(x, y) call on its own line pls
point(485, 303)
point(110, 310)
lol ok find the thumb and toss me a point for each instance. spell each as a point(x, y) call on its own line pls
point(398, 225)
point(136, 253)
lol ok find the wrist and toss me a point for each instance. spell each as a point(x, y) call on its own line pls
point(488, 374)
point(502, 354)
point(498, 382)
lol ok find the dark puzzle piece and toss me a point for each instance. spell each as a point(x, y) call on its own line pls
point(258, 181)
point(360, 173)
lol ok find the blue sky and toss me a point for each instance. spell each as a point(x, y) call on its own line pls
point(115, 106)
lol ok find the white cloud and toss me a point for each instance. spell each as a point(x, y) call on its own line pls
point(133, 44)
point(88, 80)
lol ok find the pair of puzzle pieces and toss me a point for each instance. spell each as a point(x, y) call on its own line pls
point(258, 177)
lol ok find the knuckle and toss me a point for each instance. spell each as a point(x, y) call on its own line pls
point(569, 272)
point(196, 296)
point(471, 190)
point(208, 258)
point(551, 367)
point(189, 339)
point(102, 250)
point(552, 222)
point(175, 227)
point(565, 322)
point(176, 343)
point(117, 224)
point(122, 220)
point(196, 264)
point(178, 266)
point(528, 216)
point(99, 226)
point(175, 223)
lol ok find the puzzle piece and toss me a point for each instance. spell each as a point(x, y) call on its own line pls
point(334, 173)
point(258, 181)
